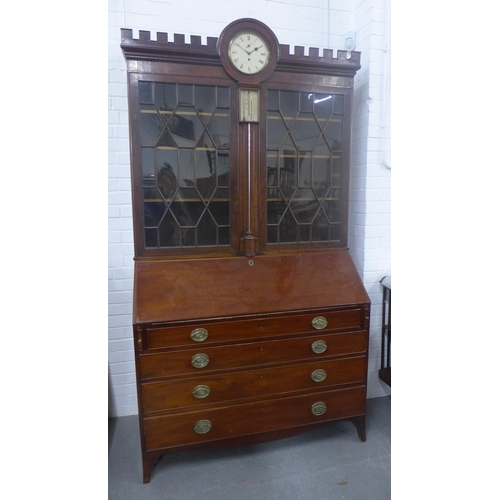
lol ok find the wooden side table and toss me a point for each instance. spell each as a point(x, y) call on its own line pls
point(385, 356)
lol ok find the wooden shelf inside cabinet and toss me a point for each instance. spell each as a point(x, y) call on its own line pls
point(186, 200)
point(290, 119)
point(304, 200)
point(272, 154)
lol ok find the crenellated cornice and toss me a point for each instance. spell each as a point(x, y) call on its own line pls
point(195, 52)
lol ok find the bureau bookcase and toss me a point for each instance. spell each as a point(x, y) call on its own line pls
point(250, 320)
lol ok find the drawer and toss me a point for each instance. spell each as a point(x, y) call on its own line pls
point(209, 389)
point(239, 356)
point(263, 416)
point(237, 330)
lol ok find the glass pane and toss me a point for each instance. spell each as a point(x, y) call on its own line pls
point(331, 208)
point(185, 94)
point(304, 132)
point(306, 102)
point(186, 167)
point(335, 181)
point(205, 178)
point(320, 228)
point(218, 127)
point(289, 106)
point(145, 92)
point(207, 231)
point(322, 176)
point(272, 234)
point(305, 170)
point(273, 100)
point(305, 234)
point(148, 163)
point(334, 232)
point(151, 238)
point(204, 98)
point(224, 236)
point(185, 126)
point(187, 207)
point(276, 206)
point(222, 97)
point(219, 207)
point(152, 126)
point(287, 228)
point(323, 106)
point(167, 182)
point(338, 104)
point(188, 237)
point(169, 231)
point(154, 211)
point(165, 95)
point(185, 163)
point(304, 206)
point(222, 168)
point(333, 134)
point(276, 130)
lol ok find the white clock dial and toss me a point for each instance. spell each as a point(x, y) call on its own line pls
point(248, 52)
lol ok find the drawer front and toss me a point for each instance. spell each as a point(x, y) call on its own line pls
point(234, 331)
point(251, 418)
point(208, 359)
point(201, 390)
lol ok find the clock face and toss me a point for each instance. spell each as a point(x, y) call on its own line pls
point(248, 52)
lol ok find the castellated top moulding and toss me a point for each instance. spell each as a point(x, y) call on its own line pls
point(161, 49)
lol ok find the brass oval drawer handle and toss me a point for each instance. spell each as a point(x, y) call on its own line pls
point(202, 426)
point(318, 375)
point(319, 346)
point(201, 391)
point(200, 360)
point(318, 408)
point(199, 334)
point(319, 322)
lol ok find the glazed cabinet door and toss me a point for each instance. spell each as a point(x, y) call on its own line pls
point(307, 137)
point(182, 153)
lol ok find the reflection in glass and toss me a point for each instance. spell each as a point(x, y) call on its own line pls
point(304, 152)
point(145, 92)
point(184, 137)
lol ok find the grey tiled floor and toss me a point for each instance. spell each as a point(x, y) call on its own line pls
point(328, 463)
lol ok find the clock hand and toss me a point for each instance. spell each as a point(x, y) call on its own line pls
point(248, 53)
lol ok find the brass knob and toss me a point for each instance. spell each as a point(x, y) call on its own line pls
point(318, 408)
point(199, 334)
point(319, 322)
point(318, 375)
point(202, 426)
point(201, 391)
point(319, 346)
point(200, 360)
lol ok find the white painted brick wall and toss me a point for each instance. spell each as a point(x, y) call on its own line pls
point(311, 23)
point(370, 206)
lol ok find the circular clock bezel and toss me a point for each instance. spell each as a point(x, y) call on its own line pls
point(247, 25)
point(236, 63)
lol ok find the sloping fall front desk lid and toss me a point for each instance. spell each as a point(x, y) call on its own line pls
point(180, 290)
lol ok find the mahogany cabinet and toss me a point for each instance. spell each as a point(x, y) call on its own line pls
point(250, 320)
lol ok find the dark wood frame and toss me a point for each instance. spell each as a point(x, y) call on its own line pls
point(244, 283)
point(172, 75)
point(254, 25)
point(178, 61)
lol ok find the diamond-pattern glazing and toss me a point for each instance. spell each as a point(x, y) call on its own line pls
point(185, 155)
point(304, 138)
